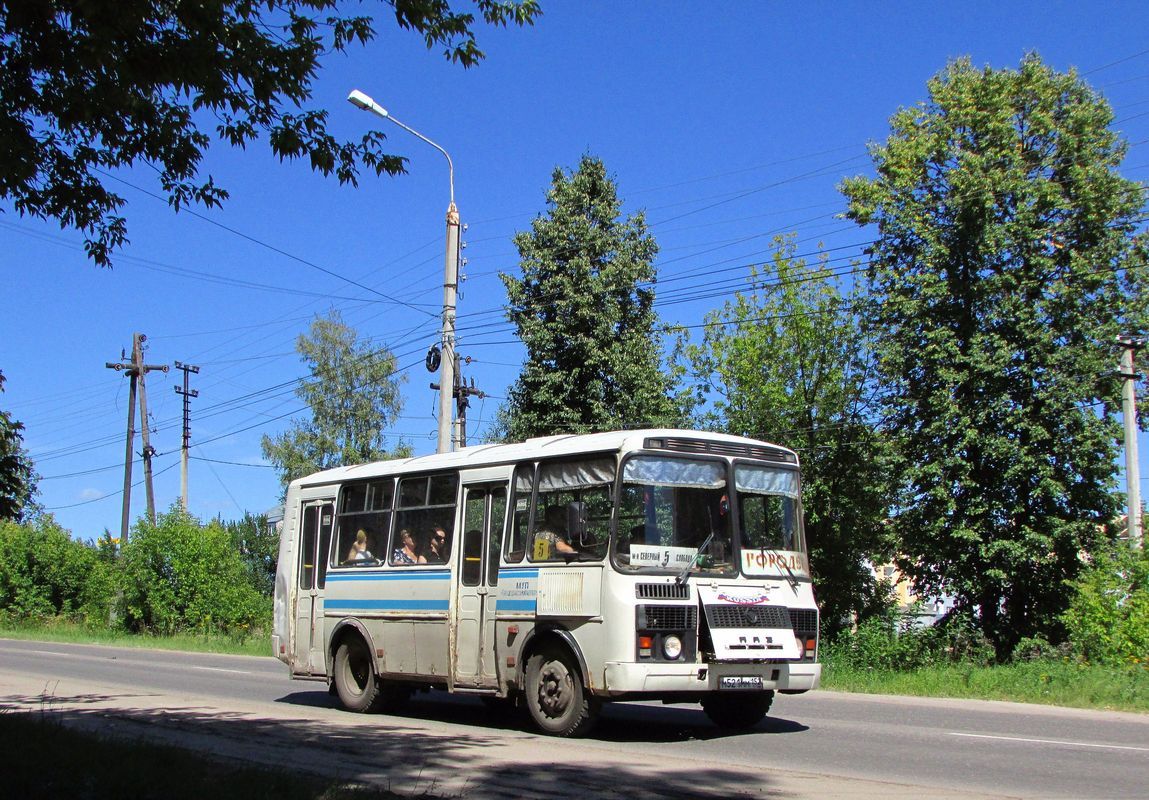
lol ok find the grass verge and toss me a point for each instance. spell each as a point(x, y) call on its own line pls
point(1050, 682)
point(58, 630)
point(43, 758)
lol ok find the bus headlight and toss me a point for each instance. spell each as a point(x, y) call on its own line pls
point(801, 646)
point(672, 647)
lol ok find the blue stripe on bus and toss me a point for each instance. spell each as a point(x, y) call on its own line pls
point(519, 573)
point(438, 575)
point(388, 605)
point(514, 605)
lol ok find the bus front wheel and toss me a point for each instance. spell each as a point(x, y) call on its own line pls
point(557, 700)
point(356, 683)
point(736, 710)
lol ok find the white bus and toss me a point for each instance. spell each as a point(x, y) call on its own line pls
point(571, 570)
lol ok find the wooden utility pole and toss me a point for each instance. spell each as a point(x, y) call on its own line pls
point(1128, 373)
point(135, 368)
point(187, 394)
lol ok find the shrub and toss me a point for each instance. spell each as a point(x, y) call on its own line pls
point(1108, 617)
point(43, 571)
point(887, 644)
point(179, 575)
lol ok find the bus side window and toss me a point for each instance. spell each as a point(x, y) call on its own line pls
point(520, 513)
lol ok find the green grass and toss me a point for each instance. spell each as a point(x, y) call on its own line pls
point(1050, 682)
point(58, 630)
point(43, 758)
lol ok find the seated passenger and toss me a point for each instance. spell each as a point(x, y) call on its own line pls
point(551, 537)
point(359, 551)
point(405, 553)
point(437, 546)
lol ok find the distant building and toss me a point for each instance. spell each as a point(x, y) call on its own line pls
point(919, 611)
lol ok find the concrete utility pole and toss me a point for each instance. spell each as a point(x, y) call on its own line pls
point(450, 276)
point(188, 394)
point(1131, 345)
point(135, 370)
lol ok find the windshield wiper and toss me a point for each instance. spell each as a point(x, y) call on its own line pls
point(791, 578)
point(682, 576)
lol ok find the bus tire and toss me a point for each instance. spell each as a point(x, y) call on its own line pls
point(356, 683)
point(736, 710)
point(557, 700)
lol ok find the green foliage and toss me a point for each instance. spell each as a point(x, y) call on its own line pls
point(179, 575)
point(258, 547)
point(353, 394)
point(785, 362)
point(90, 87)
point(584, 310)
point(17, 477)
point(884, 644)
point(1063, 682)
point(43, 571)
point(1000, 277)
point(1108, 617)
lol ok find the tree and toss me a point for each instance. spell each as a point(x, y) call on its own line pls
point(1006, 262)
point(86, 88)
point(785, 362)
point(584, 309)
point(43, 570)
point(17, 476)
point(258, 546)
point(353, 394)
point(178, 575)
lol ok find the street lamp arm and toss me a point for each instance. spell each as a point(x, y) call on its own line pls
point(361, 100)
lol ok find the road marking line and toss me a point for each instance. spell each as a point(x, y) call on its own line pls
point(221, 669)
point(1051, 741)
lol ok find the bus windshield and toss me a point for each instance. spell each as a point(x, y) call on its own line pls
point(770, 536)
point(669, 508)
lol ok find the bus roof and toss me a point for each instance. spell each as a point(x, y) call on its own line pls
point(551, 446)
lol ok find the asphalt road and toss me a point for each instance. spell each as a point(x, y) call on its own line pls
point(821, 744)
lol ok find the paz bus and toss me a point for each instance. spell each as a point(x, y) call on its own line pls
point(556, 574)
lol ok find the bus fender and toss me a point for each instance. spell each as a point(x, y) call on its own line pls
point(345, 627)
point(538, 636)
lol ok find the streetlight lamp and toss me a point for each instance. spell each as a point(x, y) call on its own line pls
point(450, 278)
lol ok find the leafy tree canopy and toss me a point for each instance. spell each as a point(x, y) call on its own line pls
point(1006, 262)
point(785, 361)
point(583, 307)
point(353, 396)
point(89, 87)
point(17, 477)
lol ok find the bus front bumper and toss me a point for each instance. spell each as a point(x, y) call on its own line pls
point(655, 677)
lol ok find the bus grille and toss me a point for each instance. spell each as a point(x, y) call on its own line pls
point(804, 619)
point(662, 591)
point(667, 618)
point(748, 617)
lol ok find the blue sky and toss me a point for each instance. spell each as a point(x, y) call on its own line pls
point(727, 123)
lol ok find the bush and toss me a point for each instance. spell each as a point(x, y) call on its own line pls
point(884, 643)
point(179, 575)
point(1108, 617)
point(43, 571)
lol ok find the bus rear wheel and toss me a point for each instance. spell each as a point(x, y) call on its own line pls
point(737, 711)
point(557, 700)
point(356, 683)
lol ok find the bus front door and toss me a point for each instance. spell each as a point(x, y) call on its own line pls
point(314, 544)
point(473, 662)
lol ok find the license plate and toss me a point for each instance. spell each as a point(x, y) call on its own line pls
point(740, 682)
